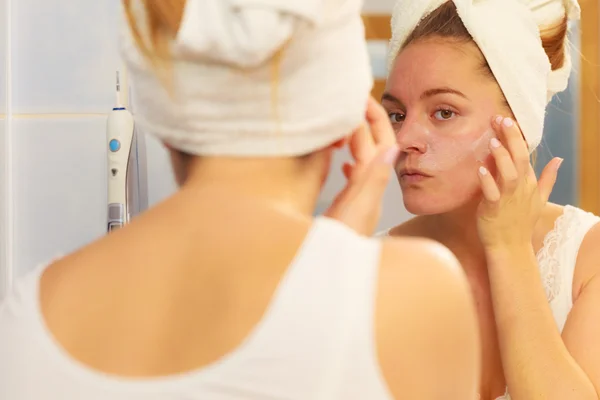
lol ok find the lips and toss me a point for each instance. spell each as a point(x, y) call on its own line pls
point(412, 175)
point(412, 172)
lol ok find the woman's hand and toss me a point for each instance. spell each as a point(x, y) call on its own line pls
point(374, 151)
point(512, 202)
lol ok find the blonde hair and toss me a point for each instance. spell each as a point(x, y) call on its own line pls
point(163, 21)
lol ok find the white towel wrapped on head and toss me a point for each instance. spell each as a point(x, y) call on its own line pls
point(257, 78)
point(507, 33)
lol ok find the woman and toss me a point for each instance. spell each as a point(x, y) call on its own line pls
point(466, 94)
point(230, 289)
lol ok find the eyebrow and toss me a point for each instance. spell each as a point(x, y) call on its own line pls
point(388, 97)
point(428, 93)
point(442, 90)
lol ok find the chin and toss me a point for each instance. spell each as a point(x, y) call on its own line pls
point(417, 208)
point(430, 204)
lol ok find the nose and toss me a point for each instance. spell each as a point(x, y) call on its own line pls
point(412, 137)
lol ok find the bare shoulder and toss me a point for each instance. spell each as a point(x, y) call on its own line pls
point(587, 267)
point(426, 326)
point(589, 252)
point(419, 257)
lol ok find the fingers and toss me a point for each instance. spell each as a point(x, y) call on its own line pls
point(368, 190)
point(506, 169)
point(548, 178)
point(513, 164)
point(491, 192)
point(359, 204)
point(512, 137)
point(347, 169)
point(362, 145)
point(377, 132)
point(374, 179)
point(379, 124)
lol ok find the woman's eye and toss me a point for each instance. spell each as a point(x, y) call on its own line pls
point(396, 117)
point(444, 115)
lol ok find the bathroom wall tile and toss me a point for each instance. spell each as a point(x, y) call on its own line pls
point(3, 194)
point(161, 182)
point(3, 55)
point(60, 185)
point(65, 56)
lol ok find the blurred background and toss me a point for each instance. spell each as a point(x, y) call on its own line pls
point(57, 78)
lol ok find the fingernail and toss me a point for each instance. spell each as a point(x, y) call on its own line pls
point(483, 170)
point(499, 119)
point(559, 164)
point(391, 155)
point(495, 143)
point(508, 122)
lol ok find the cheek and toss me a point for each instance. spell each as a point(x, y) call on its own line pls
point(458, 151)
point(465, 172)
point(459, 183)
point(444, 193)
point(462, 180)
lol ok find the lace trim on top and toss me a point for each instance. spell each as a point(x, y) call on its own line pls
point(548, 256)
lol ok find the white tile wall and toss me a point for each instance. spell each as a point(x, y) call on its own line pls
point(64, 55)
point(3, 55)
point(3, 150)
point(63, 62)
point(161, 182)
point(3, 268)
point(60, 186)
point(60, 190)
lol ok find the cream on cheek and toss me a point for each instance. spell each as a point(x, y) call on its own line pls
point(445, 150)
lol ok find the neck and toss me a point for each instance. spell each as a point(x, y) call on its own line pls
point(288, 184)
point(457, 230)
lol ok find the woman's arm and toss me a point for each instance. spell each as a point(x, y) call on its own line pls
point(581, 333)
point(537, 363)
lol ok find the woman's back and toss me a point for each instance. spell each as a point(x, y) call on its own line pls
point(237, 302)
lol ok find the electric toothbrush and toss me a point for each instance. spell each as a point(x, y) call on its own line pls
point(120, 136)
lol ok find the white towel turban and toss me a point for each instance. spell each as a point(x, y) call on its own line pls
point(231, 95)
point(507, 33)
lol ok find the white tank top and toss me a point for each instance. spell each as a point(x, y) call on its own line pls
point(557, 259)
point(316, 340)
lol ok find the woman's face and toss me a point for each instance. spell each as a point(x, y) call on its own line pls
point(441, 104)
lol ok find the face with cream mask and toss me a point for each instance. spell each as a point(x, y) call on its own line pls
point(441, 99)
